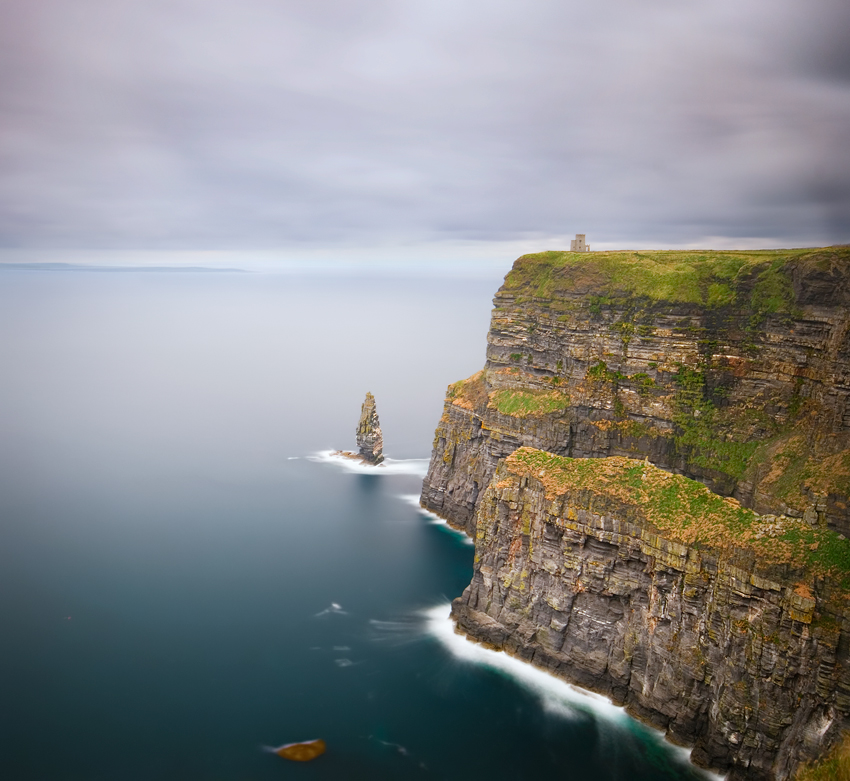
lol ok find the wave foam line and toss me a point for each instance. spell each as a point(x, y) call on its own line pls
point(390, 466)
point(556, 696)
point(435, 520)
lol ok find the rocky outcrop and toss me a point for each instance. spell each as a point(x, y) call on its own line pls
point(370, 440)
point(730, 368)
point(728, 630)
point(715, 605)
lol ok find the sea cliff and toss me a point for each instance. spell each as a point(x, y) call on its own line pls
point(684, 552)
point(731, 368)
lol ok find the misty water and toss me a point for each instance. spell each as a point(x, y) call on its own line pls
point(186, 577)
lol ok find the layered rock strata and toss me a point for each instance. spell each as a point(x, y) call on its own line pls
point(722, 619)
point(370, 440)
point(731, 368)
point(728, 630)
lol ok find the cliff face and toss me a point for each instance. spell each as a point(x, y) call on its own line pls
point(730, 368)
point(370, 439)
point(600, 572)
point(705, 584)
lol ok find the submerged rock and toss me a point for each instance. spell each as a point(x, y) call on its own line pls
point(370, 440)
point(301, 752)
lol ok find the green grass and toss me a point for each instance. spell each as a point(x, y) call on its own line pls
point(835, 766)
point(600, 372)
point(686, 511)
point(797, 470)
point(697, 438)
point(643, 382)
point(528, 403)
point(756, 280)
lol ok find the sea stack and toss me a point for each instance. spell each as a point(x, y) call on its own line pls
point(369, 437)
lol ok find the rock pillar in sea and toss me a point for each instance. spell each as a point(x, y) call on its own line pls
point(369, 437)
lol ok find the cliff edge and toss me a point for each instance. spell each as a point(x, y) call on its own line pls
point(726, 630)
point(732, 368)
point(655, 465)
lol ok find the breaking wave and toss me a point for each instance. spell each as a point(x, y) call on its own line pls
point(556, 696)
point(435, 520)
point(390, 466)
point(334, 609)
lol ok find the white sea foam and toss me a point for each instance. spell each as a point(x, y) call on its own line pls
point(400, 749)
point(390, 466)
point(556, 696)
point(434, 519)
point(275, 749)
point(334, 608)
point(443, 524)
point(397, 633)
point(397, 746)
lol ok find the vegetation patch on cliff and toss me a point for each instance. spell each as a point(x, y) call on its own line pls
point(686, 511)
point(470, 393)
point(758, 280)
point(797, 472)
point(835, 766)
point(697, 434)
point(630, 428)
point(528, 403)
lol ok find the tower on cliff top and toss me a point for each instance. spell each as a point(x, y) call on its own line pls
point(578, 245)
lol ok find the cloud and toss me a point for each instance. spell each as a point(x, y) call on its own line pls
point(271, 123)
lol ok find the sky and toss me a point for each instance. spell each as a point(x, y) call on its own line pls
point(470, 127)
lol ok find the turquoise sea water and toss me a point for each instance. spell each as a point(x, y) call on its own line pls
point(186, 576)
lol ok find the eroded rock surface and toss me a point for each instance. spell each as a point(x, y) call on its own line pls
point(730, 368)
point(730, 648)
point(370, 440)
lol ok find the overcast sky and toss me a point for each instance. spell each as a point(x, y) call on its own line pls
point(223, 124)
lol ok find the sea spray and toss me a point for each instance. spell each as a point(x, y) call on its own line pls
point(417, 467)
point(435, 520)
point(557, 697)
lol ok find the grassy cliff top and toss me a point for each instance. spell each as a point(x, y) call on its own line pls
point(757, 278)
point(686, 511)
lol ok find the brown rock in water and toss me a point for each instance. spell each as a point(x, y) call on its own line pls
point(370, 440)
point(301, 752)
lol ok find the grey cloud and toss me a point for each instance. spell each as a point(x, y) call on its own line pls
point(261, 123)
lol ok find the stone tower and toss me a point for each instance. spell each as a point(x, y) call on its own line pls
point(370, 440)
point(578, 245)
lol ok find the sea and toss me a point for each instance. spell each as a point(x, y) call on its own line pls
point(189, 577)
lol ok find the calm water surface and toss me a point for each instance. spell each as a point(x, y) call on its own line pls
point(183, 580)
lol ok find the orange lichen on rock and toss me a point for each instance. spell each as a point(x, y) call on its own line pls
point(803, 590)
point(470, 393)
